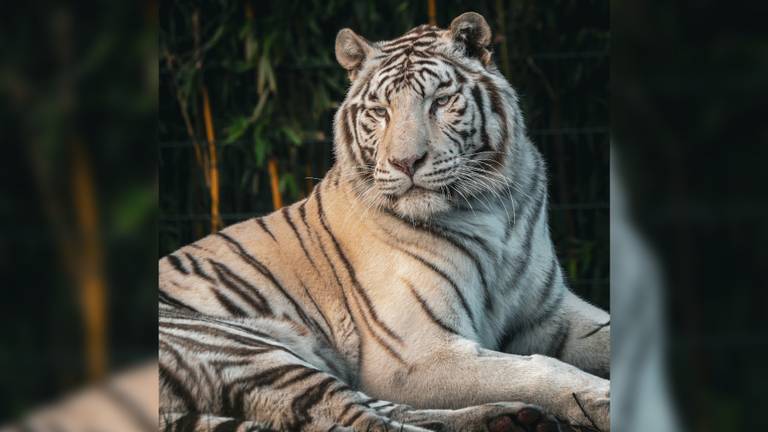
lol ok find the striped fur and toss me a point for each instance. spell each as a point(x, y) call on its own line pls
point(419, 271)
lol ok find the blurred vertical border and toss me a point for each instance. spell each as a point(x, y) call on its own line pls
point(689, 87)
point(78, 85)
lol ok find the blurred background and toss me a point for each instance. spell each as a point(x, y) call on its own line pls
point(248, 90)
point(689, 97)
point(101, 175)
point(78, 252)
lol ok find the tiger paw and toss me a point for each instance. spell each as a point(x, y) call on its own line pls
point(528, 418)
point(492, 417)
point(589, 410)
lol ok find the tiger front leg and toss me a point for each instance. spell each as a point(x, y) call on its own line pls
point(460, 374)
point(586, 332)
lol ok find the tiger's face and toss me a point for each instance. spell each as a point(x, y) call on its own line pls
point(427, 122)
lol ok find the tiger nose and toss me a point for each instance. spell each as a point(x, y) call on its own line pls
point(408, 165)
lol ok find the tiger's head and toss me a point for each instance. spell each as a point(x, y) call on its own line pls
point(428, 122)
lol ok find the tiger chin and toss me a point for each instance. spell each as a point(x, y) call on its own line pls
point(417, 288)
point(421, 204)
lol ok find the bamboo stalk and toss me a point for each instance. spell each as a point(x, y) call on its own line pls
point(200, 158)
point(213, 166)
point(89, 269)
point(432, 11)
point(274, 181)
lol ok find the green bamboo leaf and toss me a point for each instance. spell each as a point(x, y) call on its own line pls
point(251, 49)
point(288, 184)
point(260, 146)
point(131, 207)
point(214, 39)
point(236, 129)
point(271, 78)
point(259, 107)
point(261, 75)
point(292, 135)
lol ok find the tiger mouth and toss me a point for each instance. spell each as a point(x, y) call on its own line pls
point(416, 191)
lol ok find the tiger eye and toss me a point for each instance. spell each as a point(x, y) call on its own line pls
point(442, 101)
point(379, 111)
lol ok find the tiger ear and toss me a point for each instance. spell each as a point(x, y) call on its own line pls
point(471, 31)
point(351, 51)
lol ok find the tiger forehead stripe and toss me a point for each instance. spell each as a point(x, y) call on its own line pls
point(409, 37)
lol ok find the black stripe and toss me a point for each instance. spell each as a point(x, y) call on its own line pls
point(441, 273)
point(196, 345)
point(353, 112)
point(428, 311)
point(550, 282)
point(448, 279)
point(559, 341)
point(355, 283)
point(535, 182)
point(322, 315)
point(177, 387)
point(363, 87)
point(288, 219)
point(266, 377)
point(548, 308)
point(478, 98)
point(249, 343)
point(350, 421)
point(497, 107)
point(230, 324)
point(447, 235)
point(459, 144)
point(232, 308)
point(408, 41)
point(198, 269)
point(228, 426)
point(263, 226)
point(451, 235)
point(187, 422)
point(340, 387)
point(301, 376)
point(596, 329)
point(475, 260)
point(334, 272)
point(238, 285)
point(176, 264)
point(515, 328)
point(261, 268)
point(347, 407)
point(346, 134)
point(351, 271)
point(525, 250)
point(164, 297)
point(181, 364)
point(306, 401)
point(220, 364)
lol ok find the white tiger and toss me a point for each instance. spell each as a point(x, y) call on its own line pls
point(420, 271)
